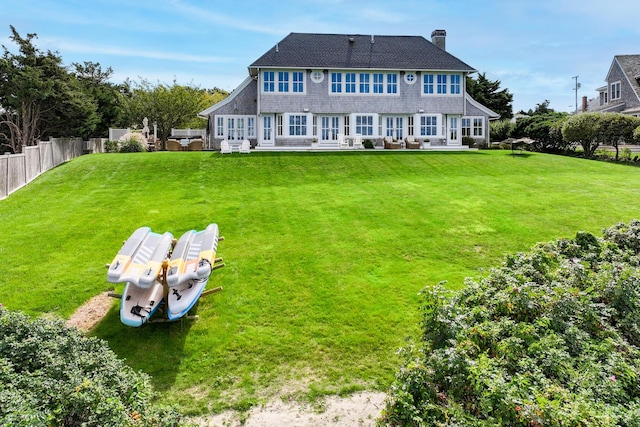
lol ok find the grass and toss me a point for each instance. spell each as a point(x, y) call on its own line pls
point(325, 253)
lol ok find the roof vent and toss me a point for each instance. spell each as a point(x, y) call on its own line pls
point(277, 47)
point(351, 40)
point(372, 41)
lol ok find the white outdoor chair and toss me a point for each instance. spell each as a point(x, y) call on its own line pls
point(225, 148)
point(245, 147)
point(342, 141)
point(357, 141)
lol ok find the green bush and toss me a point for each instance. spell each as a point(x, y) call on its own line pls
point(111, 146)
point(551, 338)
point(131, 146)
point(52, 375)
point(367, 143)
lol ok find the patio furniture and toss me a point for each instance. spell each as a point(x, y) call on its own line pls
point(195, 145)
point(391, 144)
point(173, 145)
point(411, 143)
point(225, 148)
point(357, 142)
point(245, 147)
point(342, 141)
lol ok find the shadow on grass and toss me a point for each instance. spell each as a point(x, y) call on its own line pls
point(155, 348)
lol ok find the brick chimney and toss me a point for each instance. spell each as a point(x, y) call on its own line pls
point(438, 37)
point(585, 104)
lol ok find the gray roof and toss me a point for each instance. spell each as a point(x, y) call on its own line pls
point(630, 64)
point(335, 51)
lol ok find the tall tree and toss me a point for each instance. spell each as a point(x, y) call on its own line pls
point(27, 79)
point(167, 106)
point(616, 128)
point(95, 82)
point(488, 93)
point(40, 98)
point(583, 129)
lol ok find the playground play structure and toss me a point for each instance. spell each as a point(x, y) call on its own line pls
point(162, 272)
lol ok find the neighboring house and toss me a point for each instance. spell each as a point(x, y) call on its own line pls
point(320, 89)
point(622, 92)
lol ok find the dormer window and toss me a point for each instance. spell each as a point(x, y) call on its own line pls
point(615, 91)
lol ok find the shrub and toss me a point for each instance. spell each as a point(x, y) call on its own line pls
point(132, 143)
point(111, 146)
point(52, 375)
point(367, 143)
point(551, 338)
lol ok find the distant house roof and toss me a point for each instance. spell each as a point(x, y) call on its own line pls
point(336, 51)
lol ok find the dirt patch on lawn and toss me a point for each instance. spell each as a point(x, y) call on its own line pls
point(91, 312)
point(359, 410)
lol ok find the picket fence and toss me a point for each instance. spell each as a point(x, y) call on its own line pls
point(17, 170)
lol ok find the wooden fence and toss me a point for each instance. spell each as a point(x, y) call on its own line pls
point(17, 170)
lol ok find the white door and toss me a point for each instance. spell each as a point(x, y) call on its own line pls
point(329, 128)
point(453, 131)
point(267, 131)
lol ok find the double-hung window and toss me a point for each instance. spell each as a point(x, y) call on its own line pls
point(615, 90)
point(364, 83)
point(378, 83)
point(364, 125)
point(392, 83)
point(283, 81)
point(454, 81)
point(428, 125)
point(350, 82)
point(297, 125)
point(336, 82)
point(298, 81)
point(442, 83)
point(268, 78)
point(427, 86)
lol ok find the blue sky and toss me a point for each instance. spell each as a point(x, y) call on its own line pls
point(534, 48)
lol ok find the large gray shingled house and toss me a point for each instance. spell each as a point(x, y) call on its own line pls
point(621, 94)
point(320, 90)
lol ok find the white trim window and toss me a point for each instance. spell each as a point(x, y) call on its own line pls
point(429, 125)
point(268, 81)
point(336, 82)
point(283, 81)
point(378, 83)
point(615, 91)
point(298, 81)
point(363, 83)
point(350, 82)
point(219, 127)
point(297, 125)
point(473, 127)
point(427, 84)
point(392, 83)
point(235, 128)
point(454, 81)
point(441, 85)
point(364, 124)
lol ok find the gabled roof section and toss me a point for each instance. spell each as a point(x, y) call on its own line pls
point(630, 66)
point(205, 113)
point(343, 51)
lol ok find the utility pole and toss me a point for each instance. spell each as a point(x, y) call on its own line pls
point(576, 89)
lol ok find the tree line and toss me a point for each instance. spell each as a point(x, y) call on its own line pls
point(41, 98)
point(558, 132)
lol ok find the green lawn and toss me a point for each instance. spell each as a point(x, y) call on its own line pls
point(325, 253)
